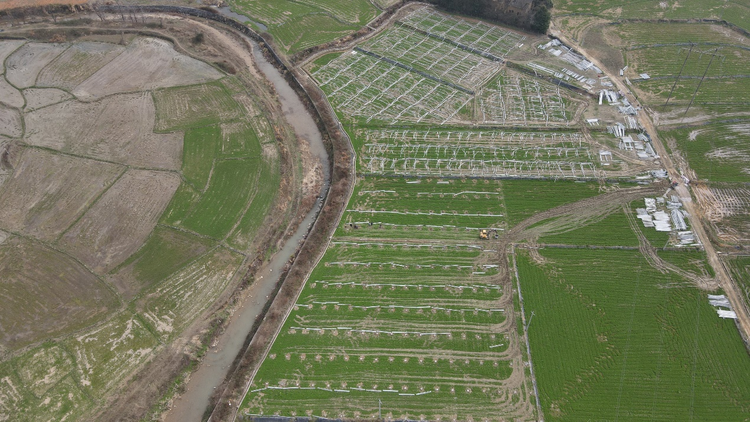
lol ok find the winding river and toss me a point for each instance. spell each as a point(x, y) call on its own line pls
point(215, 365)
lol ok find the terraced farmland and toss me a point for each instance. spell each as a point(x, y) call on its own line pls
point(405, 307)
point(114, 238)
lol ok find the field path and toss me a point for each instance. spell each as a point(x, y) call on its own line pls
point(730, 287)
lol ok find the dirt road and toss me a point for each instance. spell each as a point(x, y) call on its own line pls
point(730, 288)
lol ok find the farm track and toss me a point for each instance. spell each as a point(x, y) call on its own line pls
point(730, 287)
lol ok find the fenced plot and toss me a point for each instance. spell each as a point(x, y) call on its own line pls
point(434, 57)
point(366, 88)
point(477, 154)
point(397, 203)
point(360, 333)
point(480, 36)
point(392, 314)
point(515, 98)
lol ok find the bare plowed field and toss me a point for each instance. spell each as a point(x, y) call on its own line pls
point(10, 95)
point(22, 67)
point(147, 63)
point(10, 122)
point(8, 47)
point(48, 192)
point(77, 64)
point(45, 293)
point(117, 128)
point(41, 97)
point(118, 224)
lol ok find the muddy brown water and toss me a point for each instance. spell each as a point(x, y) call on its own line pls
point(215, 365)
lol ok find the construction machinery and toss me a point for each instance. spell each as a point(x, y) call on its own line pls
point(486, 234)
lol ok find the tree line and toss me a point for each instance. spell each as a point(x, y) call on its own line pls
point(536, 18)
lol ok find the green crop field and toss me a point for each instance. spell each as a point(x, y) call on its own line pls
point(524, 198)
point(297, 25)
point(717, 152)
point(402, 323)
point(612, 230)
point(740, 267)
point(638, 350)
point(664, 51)
point(734, 11)
point(232, 185)
point(200, 147)
point(193, 106)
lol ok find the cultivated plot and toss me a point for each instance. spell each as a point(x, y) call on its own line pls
point(468, 153)
point(146, 64)
point(23, 66)
point(513, 98)
point(42, 203)
point(399, 313)
point(485, 39)
point(46, 293)
point(121, 220)
point(369, 89)
point(118, 128)
point(638, 348)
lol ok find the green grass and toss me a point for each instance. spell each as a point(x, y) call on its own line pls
point(689, 260)
point(166, 251)
point(253, 219)
point(740, 268)
point(611, 230)
point(524, 198)
point(718, 152)
point(106, 356)
point(200, 147)
point(609, 342)
point(232, 185)
point(301, 24)
point(194, 106)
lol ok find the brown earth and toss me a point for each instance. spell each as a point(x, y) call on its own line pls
point(46, 292)
point(117, 128)
point(43, 203)
point(117, 224)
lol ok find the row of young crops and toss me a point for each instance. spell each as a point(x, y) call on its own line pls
point(612, 337)
point(457, 153)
